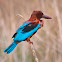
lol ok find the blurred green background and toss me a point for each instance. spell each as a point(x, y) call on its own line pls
point(47, 41)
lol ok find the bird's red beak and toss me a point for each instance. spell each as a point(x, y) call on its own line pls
point(46, 17)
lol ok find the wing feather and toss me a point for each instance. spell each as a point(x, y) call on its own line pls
point(20, 28)
point(29, 27)
point(25, 31)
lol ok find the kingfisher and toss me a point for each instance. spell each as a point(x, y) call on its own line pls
point(27, 30)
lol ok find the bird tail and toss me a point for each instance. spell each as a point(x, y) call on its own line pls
point(10, 48)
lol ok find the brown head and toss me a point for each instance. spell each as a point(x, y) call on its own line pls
point(38, 15)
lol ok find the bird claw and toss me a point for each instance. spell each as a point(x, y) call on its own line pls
point(30, 42)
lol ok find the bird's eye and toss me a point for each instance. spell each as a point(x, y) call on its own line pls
point(42, 13)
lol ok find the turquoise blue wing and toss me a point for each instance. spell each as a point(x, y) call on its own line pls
point(21, 28)
point(25, 32)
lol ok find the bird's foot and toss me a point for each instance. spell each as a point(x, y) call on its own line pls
point(30, 42)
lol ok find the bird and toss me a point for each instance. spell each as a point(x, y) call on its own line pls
point(27, 30)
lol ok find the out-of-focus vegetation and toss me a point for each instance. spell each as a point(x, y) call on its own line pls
point(48, 39)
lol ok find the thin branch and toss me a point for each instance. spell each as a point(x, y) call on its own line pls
point(34, 53)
